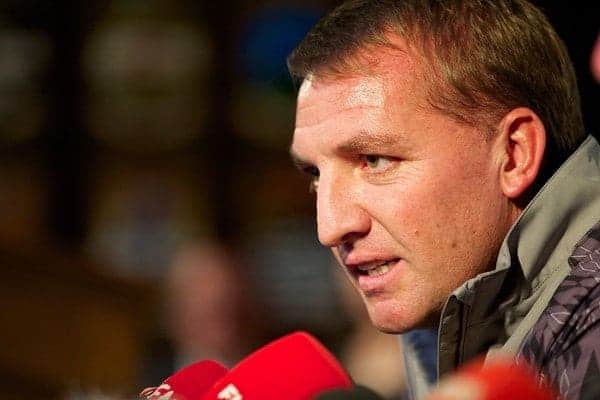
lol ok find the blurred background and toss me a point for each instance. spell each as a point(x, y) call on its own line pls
point(149, 213)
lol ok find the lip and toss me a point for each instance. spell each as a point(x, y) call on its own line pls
point(371, 285)
point(354, 260)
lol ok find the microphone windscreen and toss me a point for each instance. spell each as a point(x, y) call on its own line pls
point(294, 367)
point(356, 393)
point(501, 379)
point(189, 383)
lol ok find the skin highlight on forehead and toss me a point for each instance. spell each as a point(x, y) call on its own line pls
point(384, 58)
point(367, 92)
point(305, 88)
point(348, 93)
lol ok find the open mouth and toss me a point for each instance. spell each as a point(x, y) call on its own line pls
point(373, 269)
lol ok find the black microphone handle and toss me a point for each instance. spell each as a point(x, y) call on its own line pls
point(356, 393)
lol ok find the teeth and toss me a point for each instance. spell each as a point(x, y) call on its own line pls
point(380, 270)
point(369, 266)
point(376, 268)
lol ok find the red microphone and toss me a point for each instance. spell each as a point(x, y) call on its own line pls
point(189, 383)
point(501, 379)
point(294, 367)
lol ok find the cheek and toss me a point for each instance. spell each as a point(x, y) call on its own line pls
point(413, 203)
point(437, 208)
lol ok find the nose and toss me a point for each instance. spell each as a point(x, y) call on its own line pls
point(340, 218)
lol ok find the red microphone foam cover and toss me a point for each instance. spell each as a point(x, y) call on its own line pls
point(504, 380)
point(501, 379)
point(189, 383)
point(294, 367)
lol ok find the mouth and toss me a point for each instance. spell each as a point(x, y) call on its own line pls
point(375, 268)
point(374, 277)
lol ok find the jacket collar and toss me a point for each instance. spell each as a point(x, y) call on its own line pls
point(566, 207)
point(533, 257)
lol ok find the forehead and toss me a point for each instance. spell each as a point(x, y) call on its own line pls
point(342, 105)
point(318, 100)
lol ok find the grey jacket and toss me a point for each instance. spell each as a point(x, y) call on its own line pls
point(509, 309)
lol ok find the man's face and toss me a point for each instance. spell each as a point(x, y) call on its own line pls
point(408, 199)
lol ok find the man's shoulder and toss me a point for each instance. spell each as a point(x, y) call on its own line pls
point(564, 344)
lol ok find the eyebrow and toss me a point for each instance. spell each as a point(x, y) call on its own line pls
point(367, 142)
point(364, 142)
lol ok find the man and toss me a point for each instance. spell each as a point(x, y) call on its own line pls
point(434, 132)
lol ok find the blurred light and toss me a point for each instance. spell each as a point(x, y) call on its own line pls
point(24, 60)
point(147, 84)
point(278, 190)
point(264, 115)
point(264, 105)
point(295, 276)
point(22, 202)
point(269, 38)
point(139, 216)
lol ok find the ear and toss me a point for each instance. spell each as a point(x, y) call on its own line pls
point(523, 138)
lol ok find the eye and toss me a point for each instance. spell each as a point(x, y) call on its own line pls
point(377, 163)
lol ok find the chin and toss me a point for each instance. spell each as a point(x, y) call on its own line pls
point(395, 321)
point(391, 323)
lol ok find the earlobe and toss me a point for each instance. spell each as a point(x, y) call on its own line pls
point(524, 140)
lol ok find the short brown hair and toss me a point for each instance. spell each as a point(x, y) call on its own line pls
point(486, 57)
